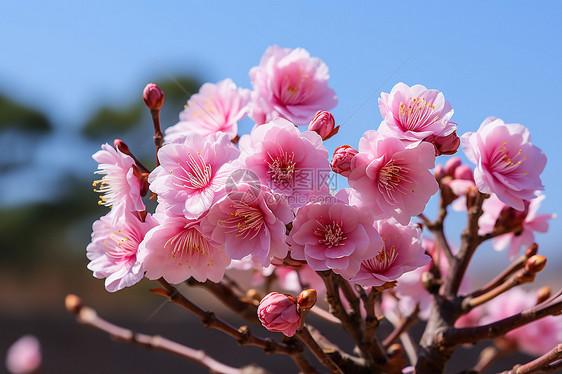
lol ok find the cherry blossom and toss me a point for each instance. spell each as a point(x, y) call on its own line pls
point(333, 236)
point(507, 163)
point(401, 252)
point(290, 84)
point(193, 172)
point(250, 220)
point(415, 114)
point(121, 183)
point(392, 180)
point(113, 249)
point(24, 355)
point(216, 107)
point(289, 162)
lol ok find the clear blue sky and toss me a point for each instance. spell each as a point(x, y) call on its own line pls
point(493, 58)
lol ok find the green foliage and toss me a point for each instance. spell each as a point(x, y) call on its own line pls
point(107, 121)
point(20, 117)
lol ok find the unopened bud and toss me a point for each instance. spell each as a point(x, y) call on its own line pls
point(341, 160)
point(451, 165)
point(543, 294)
point(121, 146)
point(307, 298)
point(531, 250)
point(463, 172)
point(73, 303)
point(153, 96)
point(438, 172)
point(445, 145)
point(535, 264)
point(324, 125)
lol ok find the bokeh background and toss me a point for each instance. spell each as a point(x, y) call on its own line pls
point(71, 78)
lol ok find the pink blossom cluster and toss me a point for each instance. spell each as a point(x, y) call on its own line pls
point(263, 201)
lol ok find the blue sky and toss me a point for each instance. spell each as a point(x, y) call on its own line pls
point(494, 58)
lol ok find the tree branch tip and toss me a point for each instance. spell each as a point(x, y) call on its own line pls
point(73, 303)
point(160, 291)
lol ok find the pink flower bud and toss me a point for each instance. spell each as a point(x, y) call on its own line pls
point(278, 312)
point(121, 146)
point(324, 125)
point(24, 356)
point(307, 298)
point(439, 172)
point(341, 160)
point(153, 96)
point(451, 165)
point(464, 172)
point(445, 145)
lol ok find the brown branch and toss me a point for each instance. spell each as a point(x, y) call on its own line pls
point(246, 310)
point(88, 316)
point(209, 319)
point(436, 227)
point(158, 135)
point(304, 335)
point(349, 295)
point(547, 363)
point(453, 336)
point(404, 326)
point(512, 268)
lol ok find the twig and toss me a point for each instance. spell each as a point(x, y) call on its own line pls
point(512, 268)
point(324, 314)
point(402, 327)
point(547, 363)
point(88, 316)
point(158, 135)
point(488, 356)
point(225, 294)
point(304, 335)
point(454, 336)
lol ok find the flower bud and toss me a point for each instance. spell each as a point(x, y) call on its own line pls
point(445, 145)
point(24, 356)
point(531, 250)
point(153, 96)
point(121, 146)
point(535, 264)
point(464, 172)
point(543, 294)
point(341, 160)
point(324, 125)
point(451, 165)
point(439, 172)
point(278, 312)
point(307, 299)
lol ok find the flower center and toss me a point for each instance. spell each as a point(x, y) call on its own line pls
point(282, 168)
point(196, 172)
point(122, 244)
point(393, 179)
point(416, 114)
point(330, 235)
point(245, 220)
point(188, 241)
point(502, 161)
point(383, 260)
point(110, 185)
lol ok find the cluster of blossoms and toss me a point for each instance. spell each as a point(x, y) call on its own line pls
point(262, 200)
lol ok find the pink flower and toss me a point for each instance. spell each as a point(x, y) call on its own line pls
point(290, 84)
point(289, 162)
point(324, 125)
point(250, 220)
point(177, 249)
point(216, 107)
point(333, 236)
point(341, 160)
point(415, 113)
point(153, 96)
point(278, 312)
point(507, 164)
point(401, 252)
point(120, 184)
point(113, 250)
point(529, 219)
point(535, 338)
point(24, 356)
point(192, 173)
point(392, 180)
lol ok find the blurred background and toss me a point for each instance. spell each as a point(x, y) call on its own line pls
point(71, 78)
